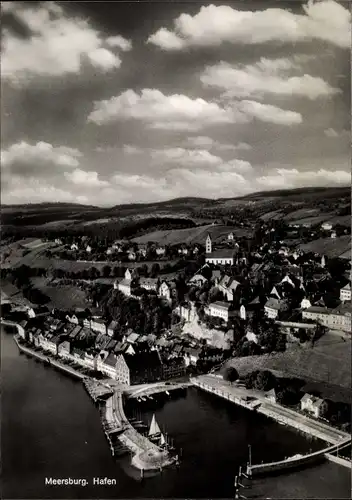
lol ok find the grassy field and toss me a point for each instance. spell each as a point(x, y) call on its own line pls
point(328, 362)
point(331, 247)
point(191, 235)
point(65, 297)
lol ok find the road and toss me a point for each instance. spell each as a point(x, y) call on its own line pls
point(277, 411)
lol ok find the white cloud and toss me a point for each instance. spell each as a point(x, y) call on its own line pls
point(104, 59)
point(129, 149)
point(160, 111)
point(34, 190)
point(269, 113)
point(330, 132)
point(120, 42)
point(40, 155)
point(179, 112)
point(268, 76)
point(215, 24)
point(186, 157)
point(291, 178)
point(209, 143)
point(58, 45)
point(85, 179)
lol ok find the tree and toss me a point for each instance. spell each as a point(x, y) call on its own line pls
point(106, 271)
point(230, 374)
point(264, 381)
point(250, 379)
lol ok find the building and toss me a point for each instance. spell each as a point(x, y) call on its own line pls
point(132, 255)
point(108, 366)
point(35, 312)
point(313, 405)
point(191, 355)
point(74, 246)
point(218, 310)
point(111, 328)
point(198, 280)
point(139, 368)
point(271, 396)
point(187, 312)
point(326, 226)
point(230, 236)
point(274, 306)
point(88, 249)
point(228, 286)
point(345, 293)
point(151, 284)
point(174, 367)
point(220, 257)
point(98, 325)
point(305, 303)
point(125, 285)
point(64, 349)
point(336, 319)
point(160, 251)
point(165, 291)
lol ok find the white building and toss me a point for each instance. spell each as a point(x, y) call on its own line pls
point(305, 303)
point(164, 291)
point(88, 249)
point(160, 251)
point(336, 319)
point(218, 310)
point(228, 286)
point(315, 406)
point(345, 293)
point(230, 237)
point(74, 246)
point(149, 284)
point(125, 285)
point(220, 257)
point(274, 306)
point(326, 226)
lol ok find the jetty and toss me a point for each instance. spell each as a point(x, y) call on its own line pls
point(149, 390)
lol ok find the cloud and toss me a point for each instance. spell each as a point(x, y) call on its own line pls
point(161, 111)
point(209, 143)
point(85, 179)
point(58, 45)
point(198, 158)
point(330, 132)
point(215, 24)
point(291, 178)
point(269, 113)
point(26, 159)
point(129, 149)
point(120, 42)
point(268, 76)
point(34, 190)
point(179, 112)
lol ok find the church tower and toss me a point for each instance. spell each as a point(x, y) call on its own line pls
point(323, 263)
point(208, 244)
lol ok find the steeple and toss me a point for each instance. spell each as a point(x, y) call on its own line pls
point(208, 244)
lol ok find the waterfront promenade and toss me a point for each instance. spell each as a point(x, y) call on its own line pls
point(258, 402)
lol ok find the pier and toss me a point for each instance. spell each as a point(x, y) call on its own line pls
point(152, 390)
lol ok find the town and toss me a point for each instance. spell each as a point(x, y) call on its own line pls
point(228, 300)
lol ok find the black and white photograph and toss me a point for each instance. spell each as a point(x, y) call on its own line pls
point(175, 253)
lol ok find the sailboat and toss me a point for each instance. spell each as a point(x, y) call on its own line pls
point(154, 430)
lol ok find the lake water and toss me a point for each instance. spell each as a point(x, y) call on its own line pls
point(50, 428)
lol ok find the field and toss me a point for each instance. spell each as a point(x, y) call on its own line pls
point(331, 247)
point(317, 364)
point(191, 235)
point(65, 297)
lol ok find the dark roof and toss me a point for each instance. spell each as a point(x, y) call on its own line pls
point(142, 361)
point(110, 360)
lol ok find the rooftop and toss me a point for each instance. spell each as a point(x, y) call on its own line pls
point(220, 305)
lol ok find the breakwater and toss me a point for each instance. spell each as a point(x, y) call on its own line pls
point(296, 461)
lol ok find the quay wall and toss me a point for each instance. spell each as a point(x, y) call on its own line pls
point(52, 362)
point(223, 394)
point(339, 460)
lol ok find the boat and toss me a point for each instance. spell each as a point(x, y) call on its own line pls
point(154, 433)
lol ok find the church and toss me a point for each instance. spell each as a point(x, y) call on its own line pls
point(221, 257)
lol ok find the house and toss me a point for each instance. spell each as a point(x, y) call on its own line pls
point(88, 249)
point(345, 293)
point(191, 355)
point(111, 328)
point(218, 310)
point(140, 368)
point(160, 251)
point(131, 255)
point(74, 246)
point(271, 396)
point(132, 338)
point(78, 317)
point(313, 405)
point(126, 284)
point(305, 303)
point(228, 286)
point(198, 280)
point(333, 234)
point(35, 312)
point(230, 236)
point(164, 291)
point(98, 325)
point(108, 366)
point(90, 360)
point(149, 284)
point(142, 250)
point(21, 328)
point(326, 226)
point(336, 319)
point(186, 311)
point(274, 306)
point(75, 332)
point(183, 250)
point(64, 349)
point(174, 367)
point(220, 257)
point(58, 241)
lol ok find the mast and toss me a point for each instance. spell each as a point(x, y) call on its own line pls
point(154, 427)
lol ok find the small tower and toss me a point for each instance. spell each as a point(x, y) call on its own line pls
point(208, 244)
point(243, 312)
point(323, 261)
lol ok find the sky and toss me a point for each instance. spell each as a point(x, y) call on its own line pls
point(107, 102)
